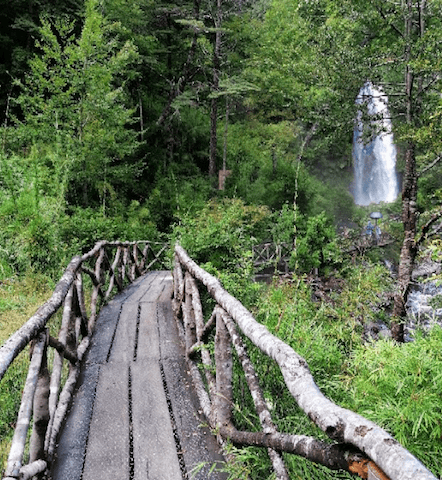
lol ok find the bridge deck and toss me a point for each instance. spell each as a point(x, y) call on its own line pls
point(134, 415)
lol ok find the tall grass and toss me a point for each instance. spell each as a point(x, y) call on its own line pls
point(19, 299)
point(397, 386)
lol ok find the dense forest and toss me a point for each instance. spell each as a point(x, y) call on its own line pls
point(222, 125)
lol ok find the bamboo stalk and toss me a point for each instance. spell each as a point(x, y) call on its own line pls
point(15, 458)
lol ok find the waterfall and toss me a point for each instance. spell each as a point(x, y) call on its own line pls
point(374, 162)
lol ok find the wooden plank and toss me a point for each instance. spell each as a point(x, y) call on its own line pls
point(148, 338)
point(199, 446)
point(107, 453)
point(126, 334)
point(154, 449)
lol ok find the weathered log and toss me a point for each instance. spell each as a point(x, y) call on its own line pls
point(334, 457)
point(257, 395)
point(58, 362)
point(199, 324)
point(113, 276)
point(157, 257)
point(98, 274)
point(338, 423)
point(81, 304)
point(178, 287)
point(223, 401)
point(15, 458)
point(40, 411)
point(18, 341)
point(209, 326)
point(62, 350)
point(91, 273)
point(33, 469)
point(124, 265)
point(62, 407)
point(188, 316)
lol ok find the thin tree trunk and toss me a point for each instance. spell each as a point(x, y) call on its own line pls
point(215, 87)
point(409, 247)
point(409, 190)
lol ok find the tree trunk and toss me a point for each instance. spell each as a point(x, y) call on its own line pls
point(215, 86)
point(409, 190)
point(409, 247)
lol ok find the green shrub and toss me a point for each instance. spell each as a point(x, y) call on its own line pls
point(316, 245)
point(399, 387)
point(222, 233)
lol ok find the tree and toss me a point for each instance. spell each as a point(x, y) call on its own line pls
point(317, 56)
point(74, 97)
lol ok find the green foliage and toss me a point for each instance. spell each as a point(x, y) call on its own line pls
point(398, 386)
point(176, 194)
point(222, 232)
point(317, 245)
point(74, 98)
point(82, 228)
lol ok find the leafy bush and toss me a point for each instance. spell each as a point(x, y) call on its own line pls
point(222, 232)
point(317, 245)
point(398, 387)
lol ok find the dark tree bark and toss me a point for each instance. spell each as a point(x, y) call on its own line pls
point(409, 188)
point(215, 87)
point(409, 246)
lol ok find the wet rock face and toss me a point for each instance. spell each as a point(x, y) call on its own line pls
point(424, 305)
point(425, 270)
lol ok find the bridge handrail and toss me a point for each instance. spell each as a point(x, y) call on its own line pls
point(41, 400)
point(362, 447)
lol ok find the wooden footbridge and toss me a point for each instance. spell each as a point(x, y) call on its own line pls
point(142, 388)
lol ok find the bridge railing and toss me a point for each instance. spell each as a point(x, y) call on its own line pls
point(47, 393)
point(361, 447)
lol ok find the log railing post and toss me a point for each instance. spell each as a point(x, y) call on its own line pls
point(15, 459)
point(257, 395)
point(58, 362)
point(223, 401)
point(40, 410)
point(188, 314)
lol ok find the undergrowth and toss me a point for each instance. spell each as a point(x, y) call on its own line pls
point(396, 386)
point(19, 299)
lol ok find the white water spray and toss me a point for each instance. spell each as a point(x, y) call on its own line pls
point(374, 162)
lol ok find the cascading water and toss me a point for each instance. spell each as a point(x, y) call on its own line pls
point(374, 162)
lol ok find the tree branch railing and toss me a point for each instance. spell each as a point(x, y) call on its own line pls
point(272, 254)
point(360, 446)
point(110, 266)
